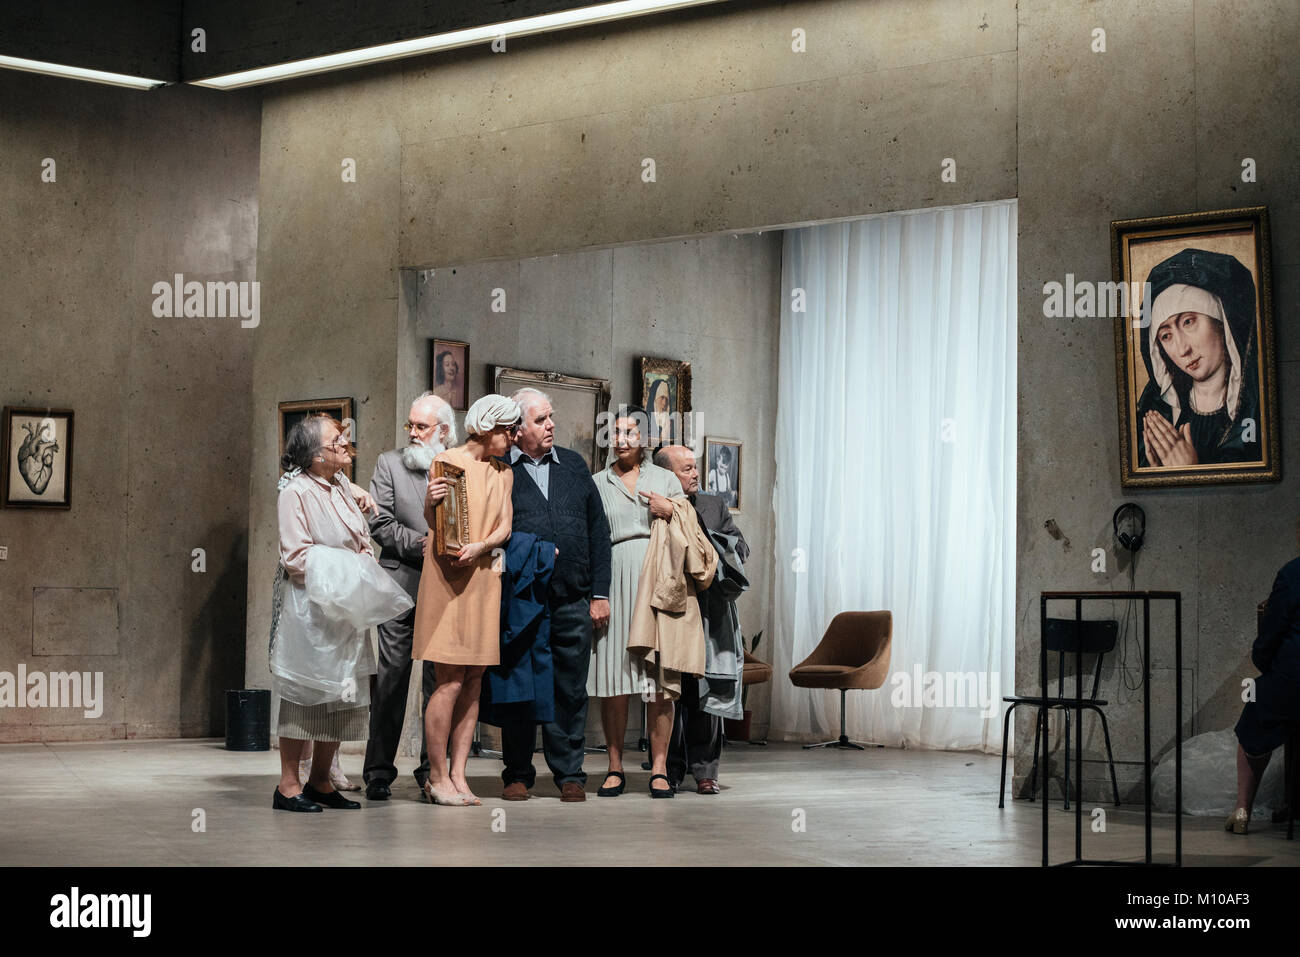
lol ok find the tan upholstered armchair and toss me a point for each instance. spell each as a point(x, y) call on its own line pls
point(853, 654)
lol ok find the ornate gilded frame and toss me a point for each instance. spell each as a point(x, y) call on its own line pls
point(648, 367)
point(1194, 226)
point(451, 515)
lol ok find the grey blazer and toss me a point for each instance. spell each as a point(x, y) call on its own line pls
point(400, 525)
point(713, 512)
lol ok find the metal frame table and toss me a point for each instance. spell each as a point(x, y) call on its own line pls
point(1146, 597)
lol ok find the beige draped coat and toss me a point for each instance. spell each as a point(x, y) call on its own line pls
point(667, 630)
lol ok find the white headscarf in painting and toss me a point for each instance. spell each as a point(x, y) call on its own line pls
point(1173, 301)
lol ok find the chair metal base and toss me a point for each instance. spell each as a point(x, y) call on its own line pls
point(841, 742)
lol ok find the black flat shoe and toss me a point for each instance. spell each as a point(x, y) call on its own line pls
point(330, 799)
point(296, 803)
point(378, 791)
point(667, 792)
point(615, 791)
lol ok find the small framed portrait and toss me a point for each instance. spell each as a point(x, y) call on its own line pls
point(722, 469)
point(291, 413)
point(576, 403)
point(37, 469)
point(666, 398)
point(451, 515)
point(1195, 363)
point(449, 372)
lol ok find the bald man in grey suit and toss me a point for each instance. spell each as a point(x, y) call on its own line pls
point(696, 743)
point(398, 487)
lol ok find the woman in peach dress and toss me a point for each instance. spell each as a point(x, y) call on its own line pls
point(458, 611)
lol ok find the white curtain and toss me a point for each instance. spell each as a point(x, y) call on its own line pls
point(896, 464)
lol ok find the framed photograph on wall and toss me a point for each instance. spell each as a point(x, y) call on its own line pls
point(449, 372)
point(291, 413)
point(666, 398)
point(577, 404)
point(1195, 364)
point(722, 469)
point(37, 469)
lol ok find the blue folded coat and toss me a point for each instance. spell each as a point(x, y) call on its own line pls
point(522, 687)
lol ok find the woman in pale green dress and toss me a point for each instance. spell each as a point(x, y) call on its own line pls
point(634, 492)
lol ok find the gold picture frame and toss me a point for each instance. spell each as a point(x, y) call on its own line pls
point(1221, 260)
point(451, 515)
point(666, 398)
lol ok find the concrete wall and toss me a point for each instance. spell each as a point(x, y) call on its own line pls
point(1158, 124)
point(147, 185)
point(474, 157)
point(714, 301)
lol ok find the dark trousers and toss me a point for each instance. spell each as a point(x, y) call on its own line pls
point(696, 742)
point(562, 739)
point(388, 690)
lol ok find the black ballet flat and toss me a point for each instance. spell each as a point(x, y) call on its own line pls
point(295, 803)
point(330, 799)
point(667, 792)
point(615, 791)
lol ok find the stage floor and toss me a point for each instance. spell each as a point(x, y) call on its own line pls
point(135, 803)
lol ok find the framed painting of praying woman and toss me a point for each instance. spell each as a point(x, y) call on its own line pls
point(1195, 362)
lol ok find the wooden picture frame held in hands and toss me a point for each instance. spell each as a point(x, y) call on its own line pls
point(451, 515)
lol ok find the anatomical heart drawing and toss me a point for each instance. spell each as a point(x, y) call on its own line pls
point(38, 459)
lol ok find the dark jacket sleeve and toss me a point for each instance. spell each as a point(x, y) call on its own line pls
point(1279, 618)
point(397, 540)
point(599, 547)
point(729, 527)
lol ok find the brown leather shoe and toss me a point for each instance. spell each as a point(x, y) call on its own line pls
point(708, 786)
point(515, 791)
point(571, 792)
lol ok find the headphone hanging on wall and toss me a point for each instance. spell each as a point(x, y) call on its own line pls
point(1131, 514)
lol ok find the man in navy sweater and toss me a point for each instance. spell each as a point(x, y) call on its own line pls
point(555, 499)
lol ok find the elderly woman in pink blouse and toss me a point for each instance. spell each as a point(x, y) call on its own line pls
point(317, 506)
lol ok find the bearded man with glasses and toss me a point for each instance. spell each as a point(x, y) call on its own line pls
point(399, 486)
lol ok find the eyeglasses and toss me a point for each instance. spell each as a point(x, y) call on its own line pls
point(417, 426)
point(336, 446)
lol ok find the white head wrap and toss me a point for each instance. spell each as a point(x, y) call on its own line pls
point(1175, 300)
point(489, 412)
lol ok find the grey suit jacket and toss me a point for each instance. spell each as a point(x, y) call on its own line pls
point(713, 511)
point(400, 524)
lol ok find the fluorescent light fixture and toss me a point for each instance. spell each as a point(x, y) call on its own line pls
point(79, 73)
point(599, 13)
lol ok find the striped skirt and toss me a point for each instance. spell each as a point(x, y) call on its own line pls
point(317, 723)
point(613, 671)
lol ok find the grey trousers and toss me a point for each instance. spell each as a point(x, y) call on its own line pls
point(388, 692)
point(696, 742)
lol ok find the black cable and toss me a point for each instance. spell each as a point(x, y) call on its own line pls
point(1125, 635)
